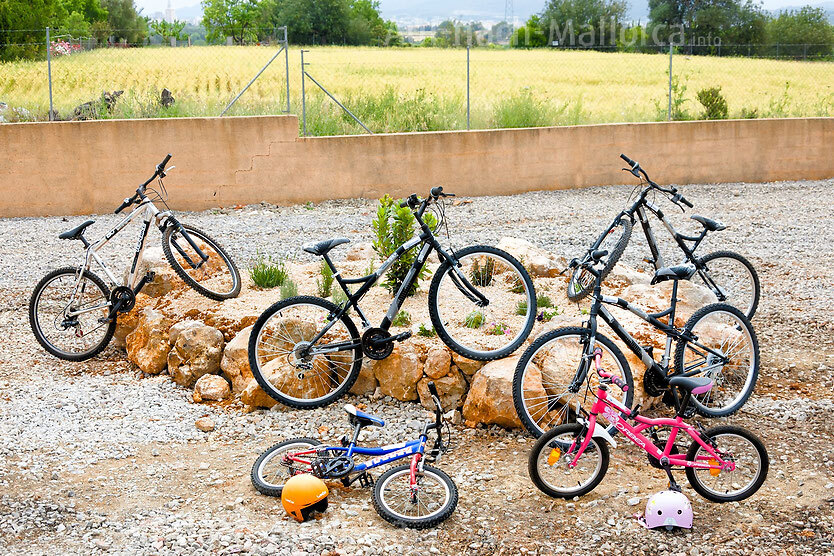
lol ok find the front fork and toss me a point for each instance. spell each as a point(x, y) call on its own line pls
point(179, 228)
point(416, 465)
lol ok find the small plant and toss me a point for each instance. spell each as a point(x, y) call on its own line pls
point(426, 332)
point(714, 103)
point(475, 319)
point(338, 296)
point(497, 329)
point(521, 308)
point(482, 275)
point(584, 311)
point(289, 289)
point(402, 319)
point(543, 301)
point(547, 314)
point(749, 114)
point(392, 227)
point(268, 273)
point(324, 285)
point(309, 205)
point(678, 92)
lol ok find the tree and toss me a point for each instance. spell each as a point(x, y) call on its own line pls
point(169, 31)
point(529, 35)
point(75, 26)
point(124, 21)
point(806, 26)
point(456, 33)
point(500, 32)
point(583, 22)
point(310, 21)
point(707, 23)
point(21, 26)
point(231, 18)
point(90, 10)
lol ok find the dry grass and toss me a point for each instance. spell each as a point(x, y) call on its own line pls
point(414, 89)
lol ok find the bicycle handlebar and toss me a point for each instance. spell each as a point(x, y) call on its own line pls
point(635, 169)
point(160, 172)
point(612, 377)
point(413, 200)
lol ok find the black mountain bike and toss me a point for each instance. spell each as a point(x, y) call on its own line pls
point(554, 383)
point(73, 312)
point(306, 352)
point(729, 276)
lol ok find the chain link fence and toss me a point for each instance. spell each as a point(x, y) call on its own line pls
point(417, 89)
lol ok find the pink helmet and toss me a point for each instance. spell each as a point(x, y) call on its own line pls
point(668, 509)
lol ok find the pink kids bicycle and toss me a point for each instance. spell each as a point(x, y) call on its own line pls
point(723, 464)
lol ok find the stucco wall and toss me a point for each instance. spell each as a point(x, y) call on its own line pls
point(88, 167)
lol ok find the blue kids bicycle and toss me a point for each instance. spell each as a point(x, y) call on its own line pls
point(412, 495)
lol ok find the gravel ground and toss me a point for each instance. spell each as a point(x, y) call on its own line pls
point(98, 458)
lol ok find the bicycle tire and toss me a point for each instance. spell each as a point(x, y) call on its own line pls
point(258, 481)
point(525, 413)
point(750, 383)
point(441, 327)
point(400, 520)
point(576, 291)
point(710, 494)
point(594, 446)
point(756, 286)
point(270, 389)
point(192, 283)
point(39, 334)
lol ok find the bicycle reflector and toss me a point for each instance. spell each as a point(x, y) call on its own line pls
point(714, 471)
point(553, 457)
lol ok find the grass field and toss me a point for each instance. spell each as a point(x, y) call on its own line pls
point(418, 89)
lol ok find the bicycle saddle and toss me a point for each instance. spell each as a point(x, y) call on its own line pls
point(694, 384)
point(708, 223)
point(322, 247)
point(363, 419)
point(678, 272)
point(76, 232)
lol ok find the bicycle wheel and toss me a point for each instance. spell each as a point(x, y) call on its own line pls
point(271, 471)
point(216, 278)
point(544, 389)
point(731, 360)
point(734, 444)
point(430, 503)
point(482, 330)
point(614, 240)
point(295, 372)
point(550, 458)
point(71, 337)
point(732, 280)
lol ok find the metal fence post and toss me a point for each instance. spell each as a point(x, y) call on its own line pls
point(49, 71)
point(287, 65)
point(303, 98)
point(468, 43)
point(669, 114)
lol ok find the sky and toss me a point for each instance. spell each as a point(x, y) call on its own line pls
point(151, 6)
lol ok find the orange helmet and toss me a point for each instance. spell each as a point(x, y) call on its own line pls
point(302, 495)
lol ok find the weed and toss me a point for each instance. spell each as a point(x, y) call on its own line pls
point(289, 289)
point(339, 296)
point(426, 332)
point(309, 205)
point(543, 301)
point(482, 275)
point(402, 319)
point(497, 329)
point(324, 284)
point(521, 308)
point(268, 273)
point(475, 319)
point(714, 103)
point(547, 314)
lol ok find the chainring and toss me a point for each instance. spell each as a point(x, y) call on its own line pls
point(377, 352)
point(126, 296)
point(654, 383)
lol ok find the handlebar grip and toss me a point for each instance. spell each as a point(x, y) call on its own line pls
point(619, 382)
point(126, 203)
point(164, 161)
point(628, 160)
point(687, 203)
point(598, 255)
point(436, 191)
point(404, 204)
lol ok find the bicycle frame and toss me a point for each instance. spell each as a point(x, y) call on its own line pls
point(613, 412)
point(383, 454)
point(427, 242)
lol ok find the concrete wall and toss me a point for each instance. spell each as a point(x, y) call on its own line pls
point(89, 167)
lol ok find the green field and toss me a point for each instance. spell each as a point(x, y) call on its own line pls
point(418, 89)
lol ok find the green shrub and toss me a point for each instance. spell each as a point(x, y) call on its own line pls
point(403, 318)
point(392, 227)
point(481, 275)
point(521, 308)
point(426, 332)
point(522, 110)
point(268, 273)
point(543, 301)
point(714, 103)
point(324, 285)
point(475, 319)
point(338, 296)
point(289, 289)
point(750, 114)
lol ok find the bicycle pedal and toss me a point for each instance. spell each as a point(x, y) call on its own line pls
point(402, 336)
point(366, 480)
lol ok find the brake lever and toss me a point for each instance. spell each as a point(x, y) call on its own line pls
point(632, 171)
